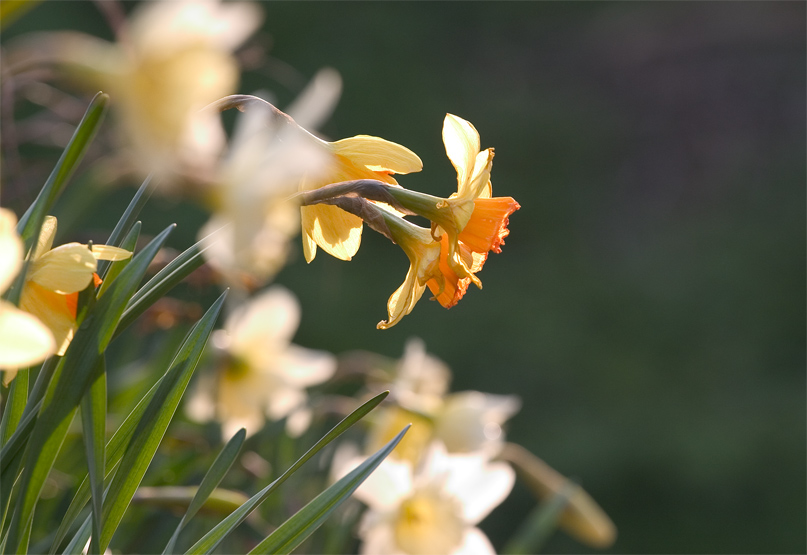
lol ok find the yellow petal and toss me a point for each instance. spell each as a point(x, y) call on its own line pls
point(46, 235)
point(10, 249)
point(309, 248)
point(65, 269)
point(462, 146)
point(105, 252)
point(24, 340)
point(378, 154)
point(335, 231)
point(479, 183)
point(403, 300)
point(53, 310)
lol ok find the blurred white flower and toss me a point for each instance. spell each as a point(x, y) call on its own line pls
point(261, 374)
point(24, 340)
point(254, 216)
point(472, 421)
point(173, 58)
point(433, 509)
point(465, 422)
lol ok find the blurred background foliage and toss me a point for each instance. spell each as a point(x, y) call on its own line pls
point(649, 304)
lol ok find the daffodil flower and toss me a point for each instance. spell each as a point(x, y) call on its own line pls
point(361, 157)
point(433, 508)
point(24, 340)
point(261, 374)
point(54, 278)
point(470, 223)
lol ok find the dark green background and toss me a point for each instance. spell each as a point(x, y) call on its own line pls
point(649, 304)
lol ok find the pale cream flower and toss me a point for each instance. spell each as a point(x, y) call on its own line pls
point(254, 216)
point(24, 340)
point(465, 422)
point(433, 509)
point(261, 374)
point(55, 277)
point(173, 58)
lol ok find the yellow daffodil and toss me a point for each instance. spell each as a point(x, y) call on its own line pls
point(261, 374)
point(24, 340)
point(434, 507)
point(470, 223)
point(55, 277)
point(361, 157)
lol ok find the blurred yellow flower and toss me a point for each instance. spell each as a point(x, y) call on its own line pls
point(55, 277)
point(261, 373)
point(432, 508)
point(24, 340)
point(361, 157)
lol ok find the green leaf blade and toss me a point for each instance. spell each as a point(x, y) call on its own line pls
point(295, 530)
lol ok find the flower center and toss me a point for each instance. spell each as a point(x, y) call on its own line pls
point(428, 523)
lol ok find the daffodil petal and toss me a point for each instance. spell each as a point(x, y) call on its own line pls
point(46, 236)
point(306, 367)
point(403, 300)
point(479, 184)
point(24, 340)
point(65, 269)
point(106, 252)
point(309, 248)
point(462, 146)
point(269, 319)
point(378, 154)
point(53, 310)
point(474, 542)
point(335, 231)
point(10, 249)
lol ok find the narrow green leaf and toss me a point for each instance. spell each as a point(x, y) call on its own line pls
point(20, 436)
point(15, 404)
point(93, 419)
point(129, 243)
point(127, 220)
point(215, 536)
point(219, 501)
point(29, 225)
point(212, 479)
point(73, 376)
point(152, 426)
point(295, 530)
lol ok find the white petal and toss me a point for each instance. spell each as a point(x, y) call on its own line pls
point(384, 489)
point(470, 420)
point(24, 340)
point(106, 252)
point(301, 367)
point(377, 538)
point(282, 401)
point(478, 485)
point(474, 542)
point(258, 328)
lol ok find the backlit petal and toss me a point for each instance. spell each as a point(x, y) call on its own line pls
point(24, 340)
point(10, 249)
point(46, 236)
point(53, 310)
point(106, 252)
point(65, 269)
point(462, 145)
point(474, 542)
point(378, 154)
point(335, 231)
point(403, 300)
